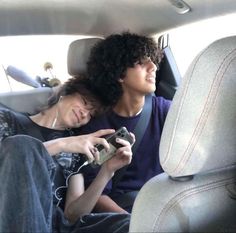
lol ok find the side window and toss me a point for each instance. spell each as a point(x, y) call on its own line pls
point(32, 57)
point(168, 76)
point(187, 41)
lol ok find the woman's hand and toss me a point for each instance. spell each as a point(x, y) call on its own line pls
point(84, 144)
point(122, 157)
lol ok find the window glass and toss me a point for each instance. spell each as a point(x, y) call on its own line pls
point(29, 54)
point(187, 41)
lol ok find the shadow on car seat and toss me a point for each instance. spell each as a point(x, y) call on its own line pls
point(197, 192)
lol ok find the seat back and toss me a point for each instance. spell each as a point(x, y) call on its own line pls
point(197, 191)
point(26, 101)
point(78, 54)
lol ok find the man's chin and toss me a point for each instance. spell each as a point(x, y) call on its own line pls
point(151, 90)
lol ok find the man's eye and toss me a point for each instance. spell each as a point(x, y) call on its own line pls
point(138, 63)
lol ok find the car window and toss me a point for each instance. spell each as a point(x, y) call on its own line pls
point(187, 41)
point(30, 54)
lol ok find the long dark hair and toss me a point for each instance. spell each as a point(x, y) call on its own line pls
point(76, 85)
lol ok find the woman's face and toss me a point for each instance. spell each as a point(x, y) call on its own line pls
point(74, 111)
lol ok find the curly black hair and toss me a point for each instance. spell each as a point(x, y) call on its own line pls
point(110, 58)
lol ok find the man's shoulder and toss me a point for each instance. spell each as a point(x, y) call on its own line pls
point(160, 102)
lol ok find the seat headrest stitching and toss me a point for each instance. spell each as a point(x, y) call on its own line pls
point(212, 96)
point(78, 51)
point(175, 200)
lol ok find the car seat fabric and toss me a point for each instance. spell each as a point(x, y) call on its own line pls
point(197, 192)
point(78, 54)
point(28, 101)
point(200, 128)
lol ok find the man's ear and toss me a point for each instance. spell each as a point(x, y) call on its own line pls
point(121, 79)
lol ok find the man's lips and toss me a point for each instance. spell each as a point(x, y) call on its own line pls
point(151, 78)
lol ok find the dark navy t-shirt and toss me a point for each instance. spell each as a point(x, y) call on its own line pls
point(145, 163)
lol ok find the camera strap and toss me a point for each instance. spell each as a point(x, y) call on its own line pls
point(139, 131)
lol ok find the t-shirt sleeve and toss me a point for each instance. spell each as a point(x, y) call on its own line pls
point(166, 106)
point(6, 128)
point(163, 108)
point(71, 163)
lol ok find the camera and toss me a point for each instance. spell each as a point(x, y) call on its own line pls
point(104, 155)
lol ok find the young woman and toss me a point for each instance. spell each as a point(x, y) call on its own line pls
point(39, 155)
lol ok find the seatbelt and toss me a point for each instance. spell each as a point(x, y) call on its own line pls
point(139, 130)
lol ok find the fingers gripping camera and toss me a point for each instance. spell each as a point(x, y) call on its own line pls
point(104, 155)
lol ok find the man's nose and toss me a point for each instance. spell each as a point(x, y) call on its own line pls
point(152, 66)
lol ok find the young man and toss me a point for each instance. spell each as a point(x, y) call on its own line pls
point(122, 69)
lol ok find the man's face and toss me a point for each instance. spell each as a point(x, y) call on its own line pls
point(141, 78)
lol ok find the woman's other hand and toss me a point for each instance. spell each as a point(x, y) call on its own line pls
point(83, 144)
point(122, 157)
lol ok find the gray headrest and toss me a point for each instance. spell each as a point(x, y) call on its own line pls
point(200, 130)
point(78, 54)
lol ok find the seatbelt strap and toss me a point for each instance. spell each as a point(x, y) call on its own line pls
point(142, 123)
point(139, 131)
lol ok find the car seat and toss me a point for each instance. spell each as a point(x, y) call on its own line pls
point(78, 54)
point(30, 101)
point(197, 191)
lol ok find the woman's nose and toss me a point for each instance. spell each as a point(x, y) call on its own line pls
point(84, 113)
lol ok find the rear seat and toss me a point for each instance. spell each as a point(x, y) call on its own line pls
point(26, 101)
point(31, 100)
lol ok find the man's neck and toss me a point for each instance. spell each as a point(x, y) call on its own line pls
point(129, 106)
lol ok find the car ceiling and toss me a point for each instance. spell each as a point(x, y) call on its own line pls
point(102, 17)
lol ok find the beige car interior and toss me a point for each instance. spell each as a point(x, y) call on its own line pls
point(197, 191)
